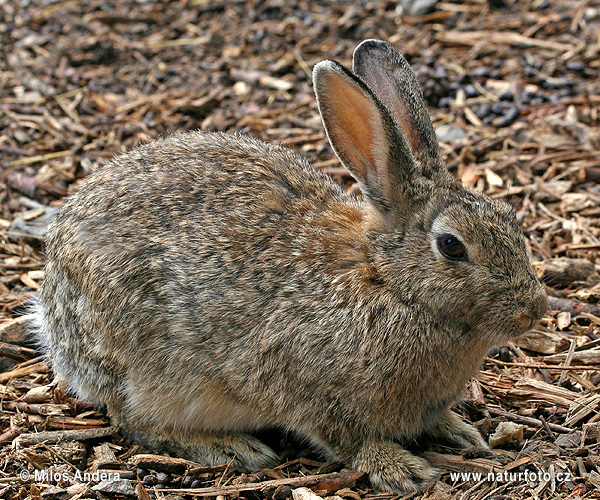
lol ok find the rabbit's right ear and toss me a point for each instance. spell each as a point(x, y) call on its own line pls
point(390, 77)
point(363, 135)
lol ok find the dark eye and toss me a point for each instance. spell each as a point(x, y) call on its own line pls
point(451, 247)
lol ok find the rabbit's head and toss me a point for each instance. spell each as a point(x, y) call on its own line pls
point(458, 254)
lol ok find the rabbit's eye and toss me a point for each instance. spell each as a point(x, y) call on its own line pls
point(451, 247)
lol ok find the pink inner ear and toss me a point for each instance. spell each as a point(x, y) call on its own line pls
point(355, 128)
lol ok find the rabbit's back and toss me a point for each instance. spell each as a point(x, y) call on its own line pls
point(171, 262)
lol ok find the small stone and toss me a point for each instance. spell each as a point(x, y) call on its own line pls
point(149, 480)
point(590, 14)
point(499, 107)
point(448, 132)
point(507, 96)
point(482, 110)
point(118, 487)
point(508, 118)
point(507, 433)
point(482, 72)
point(241, 88)
point(187, 482)
point(445, 102)
point(197, 484)
point(440, 71)
point(141, 473)
point(526, 97)
point(471, 91)
point(577, 66)
point(417, 7)
point(162, 478)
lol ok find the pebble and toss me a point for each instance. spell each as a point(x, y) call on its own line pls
point(508, 118)
point(499, 107)
point(196, 484)
point(471, 91)
point(482, 110)
point(119, 487)
point(577, 66)
point(417, 7)
point(482, 72)
point(448, 132)
point(149, 480)
point(187, 482)
point(162, 478)
point(445, 102)
point(591, 14)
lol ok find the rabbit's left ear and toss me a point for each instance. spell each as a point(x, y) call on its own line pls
point(364, 136)
point(389, 76)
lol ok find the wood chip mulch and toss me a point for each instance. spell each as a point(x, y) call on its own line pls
point(514, 92)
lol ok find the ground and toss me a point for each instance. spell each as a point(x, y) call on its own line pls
point(514, 93)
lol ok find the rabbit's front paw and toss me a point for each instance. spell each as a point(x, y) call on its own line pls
point(391, 468)
point(448, 427)
point(244, 452)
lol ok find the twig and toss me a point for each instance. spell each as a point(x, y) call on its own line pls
point(328, 482)
point(57, 436)
point(551, 434)
point(541, 366)
point(534, 422)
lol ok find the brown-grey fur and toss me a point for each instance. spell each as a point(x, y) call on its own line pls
point(206, 285)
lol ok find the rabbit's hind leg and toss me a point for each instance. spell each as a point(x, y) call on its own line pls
point(240, 451)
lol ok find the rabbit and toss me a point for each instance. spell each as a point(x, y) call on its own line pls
point(203, 286)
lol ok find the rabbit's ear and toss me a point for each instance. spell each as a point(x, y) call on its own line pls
point(363, 134)
point(389, 76)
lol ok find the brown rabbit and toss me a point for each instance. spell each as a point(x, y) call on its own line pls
point(206, 285)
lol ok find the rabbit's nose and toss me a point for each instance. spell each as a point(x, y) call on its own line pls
point(540, 304)
point(525, 320)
